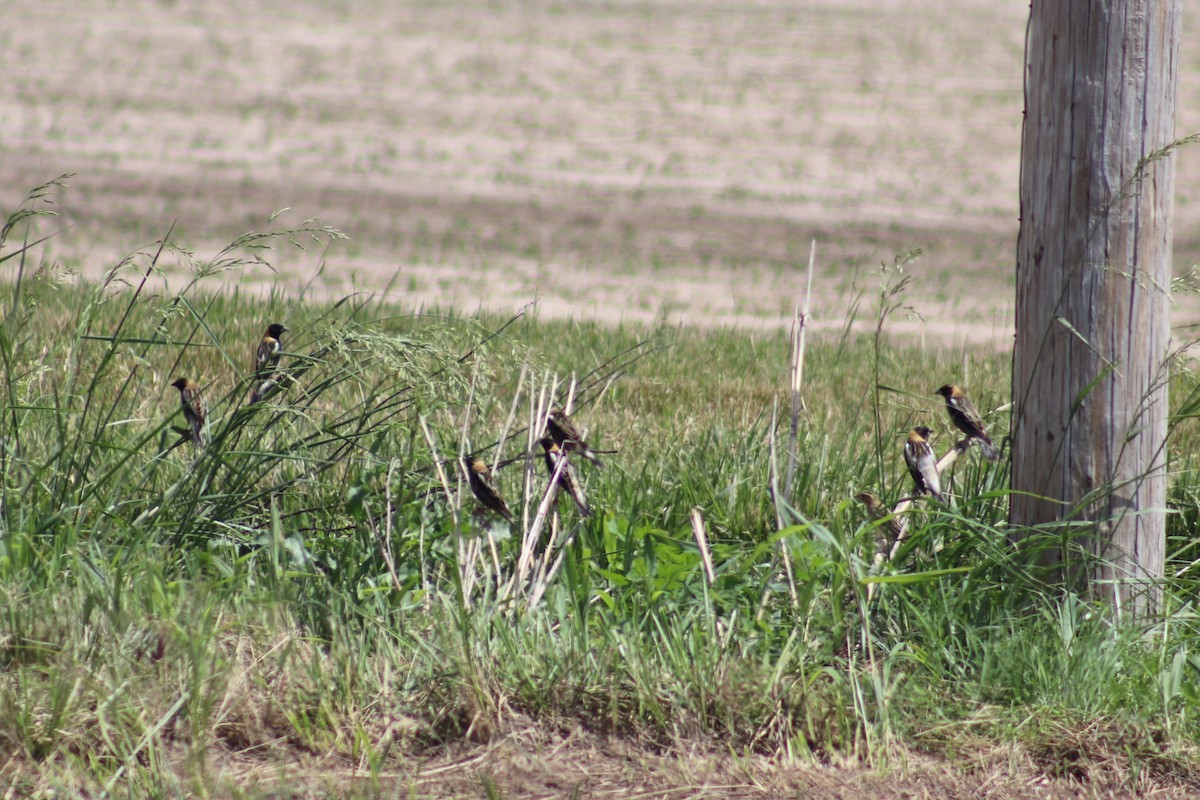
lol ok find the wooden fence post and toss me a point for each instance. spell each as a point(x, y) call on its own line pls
point(1093, 284)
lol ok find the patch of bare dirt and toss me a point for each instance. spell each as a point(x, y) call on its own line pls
point(535, 764)
point(626, 161)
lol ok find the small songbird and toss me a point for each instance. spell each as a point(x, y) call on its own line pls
point(894, 527)
point(921, 463)
point(266, 360)
point(195, 409)
point(480, 478)
point(567, 480)
point(966, 419)
point(564, 433)
point(267, 355)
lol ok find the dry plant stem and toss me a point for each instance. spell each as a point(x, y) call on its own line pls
point(783, 553)
point(533, 531)
point(426, 586)
point(569, 406)
point(702, 543)
point(774, 472)
point(531, 437)
point(600, 397)
point(466, 423)
point(799, 324)
point(512, 415)
point(544, 580)
point(527, 546)
point(462, 451)
point(543, 562)
point(472, 549)
point(537, 411)
point(540, 580)
point(389, 521)
point(454, 510)
point(793, 372)
point(441, 470)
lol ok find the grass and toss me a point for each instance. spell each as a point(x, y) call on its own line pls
point(316, 583)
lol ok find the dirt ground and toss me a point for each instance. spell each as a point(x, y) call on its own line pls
point(632, 160)
point(561, 765)
point(535, 763)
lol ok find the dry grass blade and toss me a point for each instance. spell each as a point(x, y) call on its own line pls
point(799, 323)
point(775, 500)
point(702, 543)
point(529, 543)
point(466, 556)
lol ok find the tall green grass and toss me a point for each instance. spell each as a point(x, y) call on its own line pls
point(319, 580)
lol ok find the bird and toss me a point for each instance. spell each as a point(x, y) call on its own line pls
point(921, 463)
point(964, 416)
point(564, 433)
point(480, 478)
point(195, 410)
point(266, 360)
point(567, 479)
point(894, 527)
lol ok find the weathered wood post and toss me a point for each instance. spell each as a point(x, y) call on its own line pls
point(1093, 280)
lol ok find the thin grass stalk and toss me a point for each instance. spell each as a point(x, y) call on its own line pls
point(531, 437)
point(551, 542)
point(546, 577)
point(774, 469)
point(569, 406)
point(623, 360)
point(97, 374)
point(799, 325)
point(454, 510)
point(702, 542)
point(466, 421)
point(539, 401)
point(463, 447)
point(388, 522)
point(794, 425)
point(512, 415)
point(539, 521)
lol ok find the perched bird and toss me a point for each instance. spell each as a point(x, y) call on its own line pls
point(195, 410)
point(966, 419)
point(921, 463)
point(567, 436)
point(266, 360)
point(480, 478)
point(894, 527)
point(567, 479)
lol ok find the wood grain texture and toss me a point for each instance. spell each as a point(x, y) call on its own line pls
point(1093, 279)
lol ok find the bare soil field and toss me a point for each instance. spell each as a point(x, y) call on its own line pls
point(628, 160)
point(535, 763)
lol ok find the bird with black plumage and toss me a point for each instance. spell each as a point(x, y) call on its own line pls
point(558, 463)
point(195, 409)
point(479, 477)
point(563, 432)
point(266, 361)
point(922, 465)
point(967, 419)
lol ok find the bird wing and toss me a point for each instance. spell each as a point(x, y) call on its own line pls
point(267, 354)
